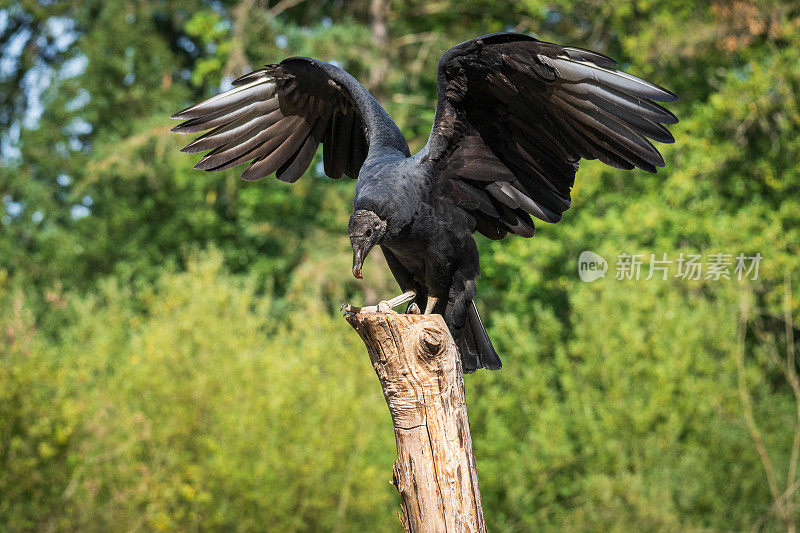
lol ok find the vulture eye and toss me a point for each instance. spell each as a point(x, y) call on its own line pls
point(368, 233)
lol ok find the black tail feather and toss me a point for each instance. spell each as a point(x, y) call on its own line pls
point(477, 343)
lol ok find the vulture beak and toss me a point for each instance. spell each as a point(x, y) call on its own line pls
point(358, 262)
point(361, 248)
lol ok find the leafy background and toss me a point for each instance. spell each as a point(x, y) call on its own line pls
point(170, 353)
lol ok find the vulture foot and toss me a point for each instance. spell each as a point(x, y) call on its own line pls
point(384, 306)
point(430, 305)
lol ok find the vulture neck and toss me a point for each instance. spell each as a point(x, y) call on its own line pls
point(387, 186)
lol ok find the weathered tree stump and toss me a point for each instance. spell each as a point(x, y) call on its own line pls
point(419, 368)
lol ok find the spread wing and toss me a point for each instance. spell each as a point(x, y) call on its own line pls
point(515, 115)
point(276, 117)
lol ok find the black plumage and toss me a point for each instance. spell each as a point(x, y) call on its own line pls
point(514, 116)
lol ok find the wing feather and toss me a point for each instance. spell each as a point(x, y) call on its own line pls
point(277, 116)
point(570, 70)
point(293, 169)
point(220, 118)
point(260, 89)
point(232, 131)
point(515, 115)
point(238, 152)
point(612, 99)
point(270, 159)
point(615, 136)
point(641, 125)
point(340, 139)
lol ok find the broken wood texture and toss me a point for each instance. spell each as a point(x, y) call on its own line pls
point(419, 368)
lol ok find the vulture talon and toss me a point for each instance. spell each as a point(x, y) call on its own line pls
point(348, 309)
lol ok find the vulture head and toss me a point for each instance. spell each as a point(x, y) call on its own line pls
point(366, 229)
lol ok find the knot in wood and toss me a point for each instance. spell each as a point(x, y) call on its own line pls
point(432, 340)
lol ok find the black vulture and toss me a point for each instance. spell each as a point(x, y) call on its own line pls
point(514, 117)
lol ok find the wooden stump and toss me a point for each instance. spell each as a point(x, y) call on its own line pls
point(419, 368)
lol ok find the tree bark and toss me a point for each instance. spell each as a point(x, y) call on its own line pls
point(419, 368)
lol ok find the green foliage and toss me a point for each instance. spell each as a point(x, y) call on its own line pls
point(174, 360)
point(200, 410)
